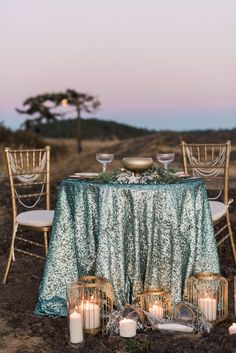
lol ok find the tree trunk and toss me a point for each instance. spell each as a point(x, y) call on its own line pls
point(78, 135)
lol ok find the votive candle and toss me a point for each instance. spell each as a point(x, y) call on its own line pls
point(232, 329)
point(127, 328)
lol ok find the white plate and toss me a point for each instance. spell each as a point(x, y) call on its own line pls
point(84, 175)
point(180, 174)
point(87, 174)
point(194, 177)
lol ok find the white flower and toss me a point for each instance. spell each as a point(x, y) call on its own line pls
point(133, 179)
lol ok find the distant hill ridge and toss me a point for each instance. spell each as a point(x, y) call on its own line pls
point(91, 129)
point(111, 131)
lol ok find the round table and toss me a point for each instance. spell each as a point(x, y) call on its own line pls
point(137, 236)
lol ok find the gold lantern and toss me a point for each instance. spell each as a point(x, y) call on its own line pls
point(209, 291)
point(157, 302)
point(92, 298)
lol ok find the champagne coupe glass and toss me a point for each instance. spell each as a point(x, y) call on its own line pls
point(104, 159)
point(165, 158)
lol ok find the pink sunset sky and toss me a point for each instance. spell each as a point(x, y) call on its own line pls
point(158, 64)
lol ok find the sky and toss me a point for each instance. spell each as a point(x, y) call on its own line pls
point(161, 64)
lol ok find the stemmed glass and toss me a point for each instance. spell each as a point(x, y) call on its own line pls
point(165, 158)
point(104, 159)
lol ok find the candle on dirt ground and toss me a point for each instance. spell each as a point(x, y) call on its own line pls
point(127, 328)
point(232, 329)
point(75, 326)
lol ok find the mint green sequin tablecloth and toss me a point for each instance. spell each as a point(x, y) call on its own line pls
point(137, 236)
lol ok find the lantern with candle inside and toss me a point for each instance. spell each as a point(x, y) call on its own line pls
point(157, 302)
point(95, 302)
point(92, 298)
point(209, 291)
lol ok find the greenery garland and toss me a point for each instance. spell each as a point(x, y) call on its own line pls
point(153, 175)
point(108, 177)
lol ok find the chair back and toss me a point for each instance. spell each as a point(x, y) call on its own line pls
point(211, 163)
point(29, 174)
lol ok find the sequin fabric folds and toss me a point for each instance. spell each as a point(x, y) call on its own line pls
point(137, 236)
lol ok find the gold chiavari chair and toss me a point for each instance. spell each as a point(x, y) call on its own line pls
point(211, 163)
point(29, 176)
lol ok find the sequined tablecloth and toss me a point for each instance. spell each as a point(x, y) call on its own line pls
point(137, 236)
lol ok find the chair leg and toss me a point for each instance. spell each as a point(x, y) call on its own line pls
point(231, 236)
point(45, 234)
point(11, 254)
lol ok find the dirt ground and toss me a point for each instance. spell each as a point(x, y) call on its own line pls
point(23, 332)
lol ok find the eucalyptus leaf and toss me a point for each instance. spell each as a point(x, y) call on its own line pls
point(153, 175)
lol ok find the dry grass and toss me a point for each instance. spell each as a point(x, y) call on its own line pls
point(64, 164)
point(74, 162)
point(86, 161)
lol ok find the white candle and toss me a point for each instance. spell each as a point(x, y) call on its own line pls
point(208, 307)
point(75, 325)
point(232, 329)
point(127, 328)
point(91, 315)
point(157, 311)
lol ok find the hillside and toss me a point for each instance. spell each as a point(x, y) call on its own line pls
point(66, 160)
point(91, 129)
point(147, 146)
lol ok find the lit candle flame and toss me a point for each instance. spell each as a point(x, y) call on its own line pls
point(64, 102)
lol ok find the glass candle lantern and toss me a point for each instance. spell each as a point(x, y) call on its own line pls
point(209, 291)
point(92, 298)
point(157, 302)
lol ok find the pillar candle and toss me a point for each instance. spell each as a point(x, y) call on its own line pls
point(127, 328)
point(208, 307)
point(75, 326)
point(91, 315)
point(157, 311)
point(232, 329)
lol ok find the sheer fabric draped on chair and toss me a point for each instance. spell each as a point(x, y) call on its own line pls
point(29, 176)
point(211, 163)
